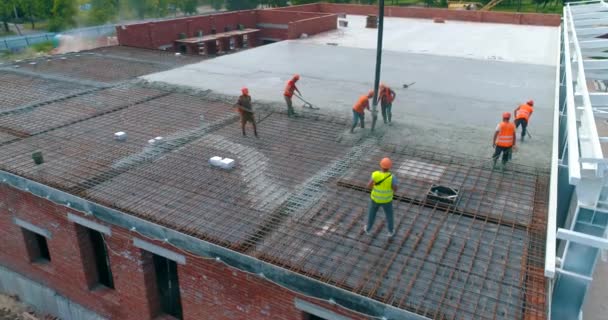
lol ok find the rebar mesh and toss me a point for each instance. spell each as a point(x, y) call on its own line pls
point(297, 197)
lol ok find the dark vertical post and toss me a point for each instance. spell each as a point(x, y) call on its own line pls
point(378, 62)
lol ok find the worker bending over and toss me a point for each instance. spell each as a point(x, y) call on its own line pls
point(387, 96)
point(522, 116)
point(289, 90)
point(383, 184)
point(359, 110)
point(246, 111)
point(504, 140)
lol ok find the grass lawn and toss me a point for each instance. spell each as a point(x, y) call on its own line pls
point(3, 33)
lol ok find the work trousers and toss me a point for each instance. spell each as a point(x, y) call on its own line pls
point(290, 111)
point(356, 118)
point(373, 209)
point(506, 154)
point(386, 112)
point(248, 117)
point(524, 125)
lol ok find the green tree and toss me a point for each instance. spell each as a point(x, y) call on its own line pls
point(140, 7)
point(35, 9)
point(296, 2)
point(6, 12)
point(103, 11)
point(62, 15)
point(188, 6)
point(217, 4)
point(443, 3)
point(241, 4)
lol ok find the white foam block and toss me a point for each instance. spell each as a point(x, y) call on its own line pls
point(215, 161)
point(227, 163)
point(120, 136)
point(151, 141)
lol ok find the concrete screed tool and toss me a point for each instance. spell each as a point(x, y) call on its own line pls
point(306, 103)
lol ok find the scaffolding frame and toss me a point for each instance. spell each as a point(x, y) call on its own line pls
point(578, 204)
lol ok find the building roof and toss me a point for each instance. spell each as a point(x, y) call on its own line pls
point(465, 75)
point(296, 198)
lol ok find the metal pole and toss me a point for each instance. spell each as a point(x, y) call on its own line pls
point(378, 62)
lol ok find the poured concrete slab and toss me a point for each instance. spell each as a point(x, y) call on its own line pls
point(486, 41)
point(453, 106)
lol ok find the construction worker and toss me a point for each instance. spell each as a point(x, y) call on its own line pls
point(383, 184)
point(289, 90)
point(386, 96)
point(504, 140)
point(359, 110)
point(246, 111)
point(522, 117)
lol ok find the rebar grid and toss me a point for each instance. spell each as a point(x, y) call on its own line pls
point(297, 197)
point(91, 66)
point(168, 58)
point(17, 90)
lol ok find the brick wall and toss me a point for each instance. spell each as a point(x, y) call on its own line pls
point(285, 17)
point(460, 15)
point(312, 26)
point(152, 35)
point(311, 7)
point(209, 289)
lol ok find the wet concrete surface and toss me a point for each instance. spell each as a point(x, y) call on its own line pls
point(454, 105)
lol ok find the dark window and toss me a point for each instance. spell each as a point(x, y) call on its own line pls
point(37, 247)
point(168, 286)
point(309, 316)
point(102, 260)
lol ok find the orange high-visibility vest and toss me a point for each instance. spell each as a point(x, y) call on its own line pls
point(361, 104)
point(386, 96)
point(290, 88)
point(506, 131)
point(524, 112)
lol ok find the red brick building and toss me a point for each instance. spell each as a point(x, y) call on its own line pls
point(96, 227)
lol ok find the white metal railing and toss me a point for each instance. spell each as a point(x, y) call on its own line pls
point(550, 249)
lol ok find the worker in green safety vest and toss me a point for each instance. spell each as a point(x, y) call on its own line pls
point(383, 184)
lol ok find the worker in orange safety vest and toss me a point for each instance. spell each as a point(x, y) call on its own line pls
point(522, 117)
point(386, 96)
point(504, 140)
point(359, 110)
point(288, 94)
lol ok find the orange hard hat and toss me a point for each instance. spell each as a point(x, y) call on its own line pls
point(245, 91)
point(506, 115)
point(370, 93)
point(296, 77)
point(530, 102)
point(386, 163)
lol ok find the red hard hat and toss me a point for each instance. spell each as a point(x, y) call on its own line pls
point(296, 77)
point(245, 91)
point(386, 163)
point(506, 115)
point(530, 102)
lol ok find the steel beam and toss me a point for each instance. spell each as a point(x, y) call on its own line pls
point(601, 44)
point(583, 238)
point(591, 32)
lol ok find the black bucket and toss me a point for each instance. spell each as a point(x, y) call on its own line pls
point(37, 156)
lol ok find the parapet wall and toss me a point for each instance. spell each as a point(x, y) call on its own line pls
point(460, 15)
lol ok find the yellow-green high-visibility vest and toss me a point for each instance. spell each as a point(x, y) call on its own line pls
point(383, 192)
